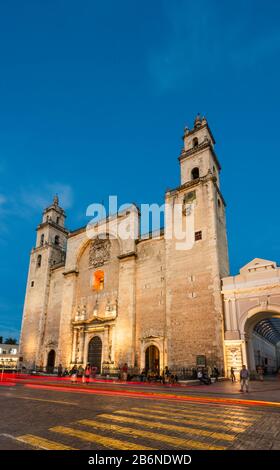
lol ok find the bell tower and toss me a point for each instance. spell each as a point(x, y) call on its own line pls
point(194, 308)
point(198, 157)
point(49, 253)
point(52, 233)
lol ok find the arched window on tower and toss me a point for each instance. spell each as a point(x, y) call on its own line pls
point(42, 239)
point(195, 142)
point(98, 280)
point(39, 261)
point(195, 173)
point(56, 240)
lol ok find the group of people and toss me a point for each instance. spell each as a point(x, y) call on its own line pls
point(148, 375)
point(204, 374)
point(153, 375)
point(85, 373)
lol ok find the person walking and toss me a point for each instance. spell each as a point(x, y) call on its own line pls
point(87, 373)
point(216, 373)
point(166, 374)
point(124, 372)
point(260, 372)
point(232, 375)
point(244, 379)
point(74, 374)
point(59, 370)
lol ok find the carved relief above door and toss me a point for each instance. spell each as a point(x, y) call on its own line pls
point(99, 252)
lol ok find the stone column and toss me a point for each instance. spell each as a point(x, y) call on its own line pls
point(251, 359)
point(112, 341)
point(125, 340)
point(85, 350)
point(227, 316)
point(74, 345)
point(244, 352)
point(106, 344)
point(67, 308)
point(81, 346)
point(233, 315)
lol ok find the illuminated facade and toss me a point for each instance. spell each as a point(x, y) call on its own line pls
point(9, 356)
point(143, 302)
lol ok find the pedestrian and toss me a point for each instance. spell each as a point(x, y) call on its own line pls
point(87, 373)
point(260, 373)
point(93, 371)
point(59, 370)
point(124, 372)
point(166, 373)
point(216, 373)
point(143, 377)
point(80, 371)
point(232, 374)
point(74, 373)
point(244, 379)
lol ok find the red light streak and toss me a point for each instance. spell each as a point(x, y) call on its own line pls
point(158, 396)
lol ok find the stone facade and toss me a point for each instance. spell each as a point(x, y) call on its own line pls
point(149, 303)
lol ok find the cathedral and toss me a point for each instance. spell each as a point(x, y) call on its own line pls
point(108, 301)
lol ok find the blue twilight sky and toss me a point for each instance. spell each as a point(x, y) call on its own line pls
point(94, 97)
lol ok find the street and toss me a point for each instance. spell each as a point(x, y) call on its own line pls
point(39, 413)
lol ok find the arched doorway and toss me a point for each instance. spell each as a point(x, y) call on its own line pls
point(51, 361)
point(262, 337)
point(95, 353)
point(152, 359)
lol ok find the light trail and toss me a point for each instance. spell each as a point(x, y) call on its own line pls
point(156, 395)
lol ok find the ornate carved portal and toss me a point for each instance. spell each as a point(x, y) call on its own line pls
point(99, 252)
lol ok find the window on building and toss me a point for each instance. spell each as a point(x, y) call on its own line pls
point(198, 235)
point(195, 142)
point(32, 283)
point(56, 240)
point(219, 203)
point(42, 239)
point(39, 261)
point(57, 220)
point(195, 173)
point(98, 280)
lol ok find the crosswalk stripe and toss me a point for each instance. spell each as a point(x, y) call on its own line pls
point(233, 409)
point(187, 420)
point(169, 427)
point(42, 443)
point(194, 415)
point(206, 413)
point(174, 441)
point(103, 440)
